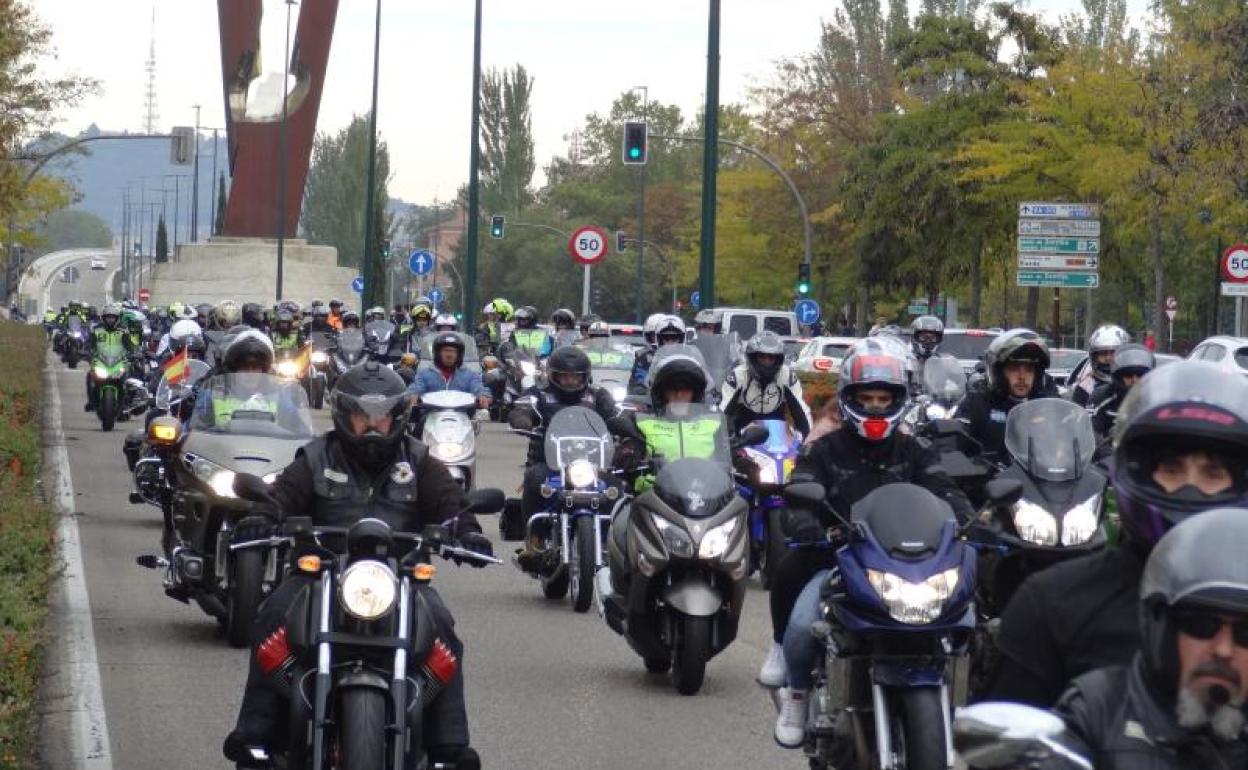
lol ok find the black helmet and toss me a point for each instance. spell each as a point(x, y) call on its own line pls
point(351, 318)
point(253, 315)
point(563, 319)
point(765, 343)
point(1199, 565)
point(526, 317)
point(284, 320)
point(448, 339)
point(335, 304)
point(587, 321)
point(1015, 346)
point(1185, 407)
point(569, 360)
point(676, 366)
point(1131, 359)
point(250, 349)
point(926, 334)
point(374, 392)
point(321, 312)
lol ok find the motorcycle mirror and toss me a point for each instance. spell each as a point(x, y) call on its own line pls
point(753, 436)
point(251, 487)
point(805, 494)
point(1001, 735)
point(1003, 492)
point(486, 501)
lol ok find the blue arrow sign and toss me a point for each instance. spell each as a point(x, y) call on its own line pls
point(695, 299)
point(436, 296)
point(807, 311)
point(421, 262)
point(357, 284)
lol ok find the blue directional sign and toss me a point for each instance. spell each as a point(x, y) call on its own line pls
point(421, 262)
point(807, 311)
point(436, 296)
point(357, 284)
point(695, 299)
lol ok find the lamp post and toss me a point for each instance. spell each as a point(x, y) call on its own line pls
point(282, 149)
point(641, 208)
point(371, 293)
point(710, 160)
point(474, 161)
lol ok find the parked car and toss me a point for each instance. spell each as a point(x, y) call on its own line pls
point(1062, 361)
point(966, 345)
point(1228, 353)
point(792, 347)
point(823, 354)
point(99, 263)
point(627, 334)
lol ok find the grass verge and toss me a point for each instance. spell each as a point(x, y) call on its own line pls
point(27, 541)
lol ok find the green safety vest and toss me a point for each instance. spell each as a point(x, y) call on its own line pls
point(286, 342)
point(532, 340)
point(676, 439)
point(106, 340)
point(224, 407)
point(605, 357)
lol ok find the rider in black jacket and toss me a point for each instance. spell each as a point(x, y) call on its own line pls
point(1016, 364)
point(1131, 362)
point(366, 466)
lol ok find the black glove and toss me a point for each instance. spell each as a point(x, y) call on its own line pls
point(477, 543)
point(801, 527)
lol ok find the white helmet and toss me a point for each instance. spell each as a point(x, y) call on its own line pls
point(670, 325)
point(445, 322)
point(651, 326)
point(1106, 339)
point(183, 333)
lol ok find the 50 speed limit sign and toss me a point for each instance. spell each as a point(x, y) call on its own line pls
point(588, 245)
point(1235, 263)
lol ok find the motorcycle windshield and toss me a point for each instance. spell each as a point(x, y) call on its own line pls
point(471, 354)
point(944, 380)
point(379, 330)
point(566, 337)
point(578, 433)
point(916, 534)
point(73, 323)
point(251, 404)
point(168, 391)
point(1051, 438)
point(322, 340)
point(782, 439)
point(718, 352)
point(351, 343)
point(695, 487)
point(682, 431)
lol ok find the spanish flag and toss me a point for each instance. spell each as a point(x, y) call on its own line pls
point(176, 368)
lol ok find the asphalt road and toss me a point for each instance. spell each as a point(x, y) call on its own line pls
point(546, 687)
point(89, 286)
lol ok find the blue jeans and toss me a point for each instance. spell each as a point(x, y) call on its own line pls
point(801, 648)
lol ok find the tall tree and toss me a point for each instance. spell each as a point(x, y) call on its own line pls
point(71, 229)
point(333, 204)
point(222, 199)
point(162, 241)
point(507, 155)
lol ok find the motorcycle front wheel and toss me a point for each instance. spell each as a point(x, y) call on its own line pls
point(246, 592)
point(107, 408)
point(583, 567)
point(316, 393)
point(361, 729)
point(923, 729)
point(693, 650)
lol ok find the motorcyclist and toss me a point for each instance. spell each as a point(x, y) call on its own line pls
point(708, 322)
point(764, 388)
point(585, 321)
point(1179, 703)
point(1131, 362)
point(1016, 364)
point(564, 323)
point(866, 452)
point(286, 337)
point(926, 334)
point(1180, 448)
point(528, 337)
point(203, 315)
point(422, 316)
point(406, 367)
point(226, 315)
point(320, 320)
point(375, 313)
point(108, 334)
point(448, 372)
point(366, 466)
point(490, 332)
point(253, 316)
point(349, 320)
point(568, 371)
point(1102, 344)
point(662, 330)
point(445, 322)
point(335, 313)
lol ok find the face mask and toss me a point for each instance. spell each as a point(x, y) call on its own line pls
point(875, 428)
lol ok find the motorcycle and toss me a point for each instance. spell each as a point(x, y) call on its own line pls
point(932, 416)
point(116, 394)
point(243, 423)
point(349, 349)
point(449, 429)
point(515, 374)
point(472, 356)
point(610, 369)
point(678, 557)
point(147, 463)
point(579, 449)
point(898, 620)
point(773, 462)
point(345, 655)
point(73, 341)
point(378, 337)
point(296, 366)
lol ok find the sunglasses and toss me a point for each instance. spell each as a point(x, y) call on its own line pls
point(1205, 626)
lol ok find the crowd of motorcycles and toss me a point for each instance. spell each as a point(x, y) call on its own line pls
point(908, 638)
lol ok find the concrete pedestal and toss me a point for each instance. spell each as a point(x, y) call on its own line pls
point(245, 270)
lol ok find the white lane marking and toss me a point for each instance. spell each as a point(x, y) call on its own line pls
point(90, 724)
point(108, 286)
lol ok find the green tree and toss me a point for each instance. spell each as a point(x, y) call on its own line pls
point(222, 199)
point(333, 203)
point(72, 229)
point(162, 241)
point(507, 156)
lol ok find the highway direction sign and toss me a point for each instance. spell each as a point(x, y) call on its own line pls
point(1057, 262)
point(1058, 279)
point(1041, 209)
point(1067, 228)
point(1041, 245)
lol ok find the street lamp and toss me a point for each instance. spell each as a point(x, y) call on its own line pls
point(370, 294)
point(281, 153)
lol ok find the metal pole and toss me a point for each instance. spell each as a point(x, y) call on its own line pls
point(371, 292)
point(641, 211)
point(1057, 316)
point(474, 201)
point(195, 190)
point(213, 226)
point(281, 157)
point(1170, 337)
point(177, 205)
point(585, 291)
point(1239, 316)
point(710, 160)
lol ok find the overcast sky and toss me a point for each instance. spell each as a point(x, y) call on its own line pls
point(581, 55)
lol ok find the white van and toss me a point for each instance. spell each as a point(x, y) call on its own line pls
point(747, 322)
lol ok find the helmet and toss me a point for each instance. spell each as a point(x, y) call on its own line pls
point(708, 318)
point(504, 309)
point(335, 304)
point(321, 312)
point(587, 321)
point(422, 312)
point(315, 303)
point(568, 360)
point(175, 309)
point(110, 316)
point(374, 392)
point(161, 313)
point(489, 309)
point(1199, 564)
point(398, 316)
point(1015, 345)
point(227, 314)
point(248, 348)
point(678, 366)
point(872, 366)
point(445, 322)
point(599, 329)
point(526, 317)
point(203, 313)
point(292, 306)
point(1106, 338)
point(350, 318)
point(184, 333)
point(651, 326)
point(926, 334)
point(765, 343)
point(1131, 359)
point(187, 312)
point(253, 315)
point(129, 304)
point(669, 331)
point(448, 339)
point(1186, 406)
point(283, 321)
point(375, 313)
point(563, 319)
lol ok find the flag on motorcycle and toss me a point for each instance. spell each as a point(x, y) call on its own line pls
point(176, 369)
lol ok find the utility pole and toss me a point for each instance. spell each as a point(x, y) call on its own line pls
point(281, 157)
point(212, 226)
point(641, 210)
point(710, 160)
point(371, 291)
point(474, 200)
point(195, 184)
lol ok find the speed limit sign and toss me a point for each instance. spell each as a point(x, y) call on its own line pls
point(1235, 264)
point(588, 245)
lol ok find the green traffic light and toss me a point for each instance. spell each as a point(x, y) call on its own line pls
point(634, 152)
point(803, 288)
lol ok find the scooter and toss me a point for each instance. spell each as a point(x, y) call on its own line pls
point(449, 428)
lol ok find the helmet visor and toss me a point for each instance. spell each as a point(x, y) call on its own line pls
point(372, 413)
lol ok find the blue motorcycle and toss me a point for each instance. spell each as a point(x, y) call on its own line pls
point(773, 461)
point(898, 623)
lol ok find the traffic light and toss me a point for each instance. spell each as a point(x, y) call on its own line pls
point(385, 248)
point(635, 142)
point(621, 240)
point(803, 279)
point(496, 226)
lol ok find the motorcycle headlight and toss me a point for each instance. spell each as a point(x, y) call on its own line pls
point(1034, 523)
point(914, 603)
point(528, 367)
point(287, 368)
point(1081, 522)
point(715, 541)
point(367, 590)
point(319, 357)
point(447, 451)
point(675, 539)
point(581, 474)
point(936, 412)
point(766, 466)
point(619, 393)
point(219, 480)
point(269, 478)
point(100, 372)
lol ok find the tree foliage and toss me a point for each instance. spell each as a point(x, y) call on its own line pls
point(333, 202)
point(71, 229)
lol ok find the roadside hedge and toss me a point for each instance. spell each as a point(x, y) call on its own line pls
point(27, 541)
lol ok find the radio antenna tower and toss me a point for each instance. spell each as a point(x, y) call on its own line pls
point(149, 101)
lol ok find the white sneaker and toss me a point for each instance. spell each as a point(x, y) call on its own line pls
point(773, 673)
point(791, 724)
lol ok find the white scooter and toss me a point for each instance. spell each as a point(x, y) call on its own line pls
point(451, 425)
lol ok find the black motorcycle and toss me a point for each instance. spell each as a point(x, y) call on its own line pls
point(379, 337)
point(349, 349)
point(358, 651)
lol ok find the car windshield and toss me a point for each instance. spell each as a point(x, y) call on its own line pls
point(968, 346)
point(252, 404)
point(835, 350)
point(183, 383)
point(578, 433)
point(1051, 438)
point(943, 379)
